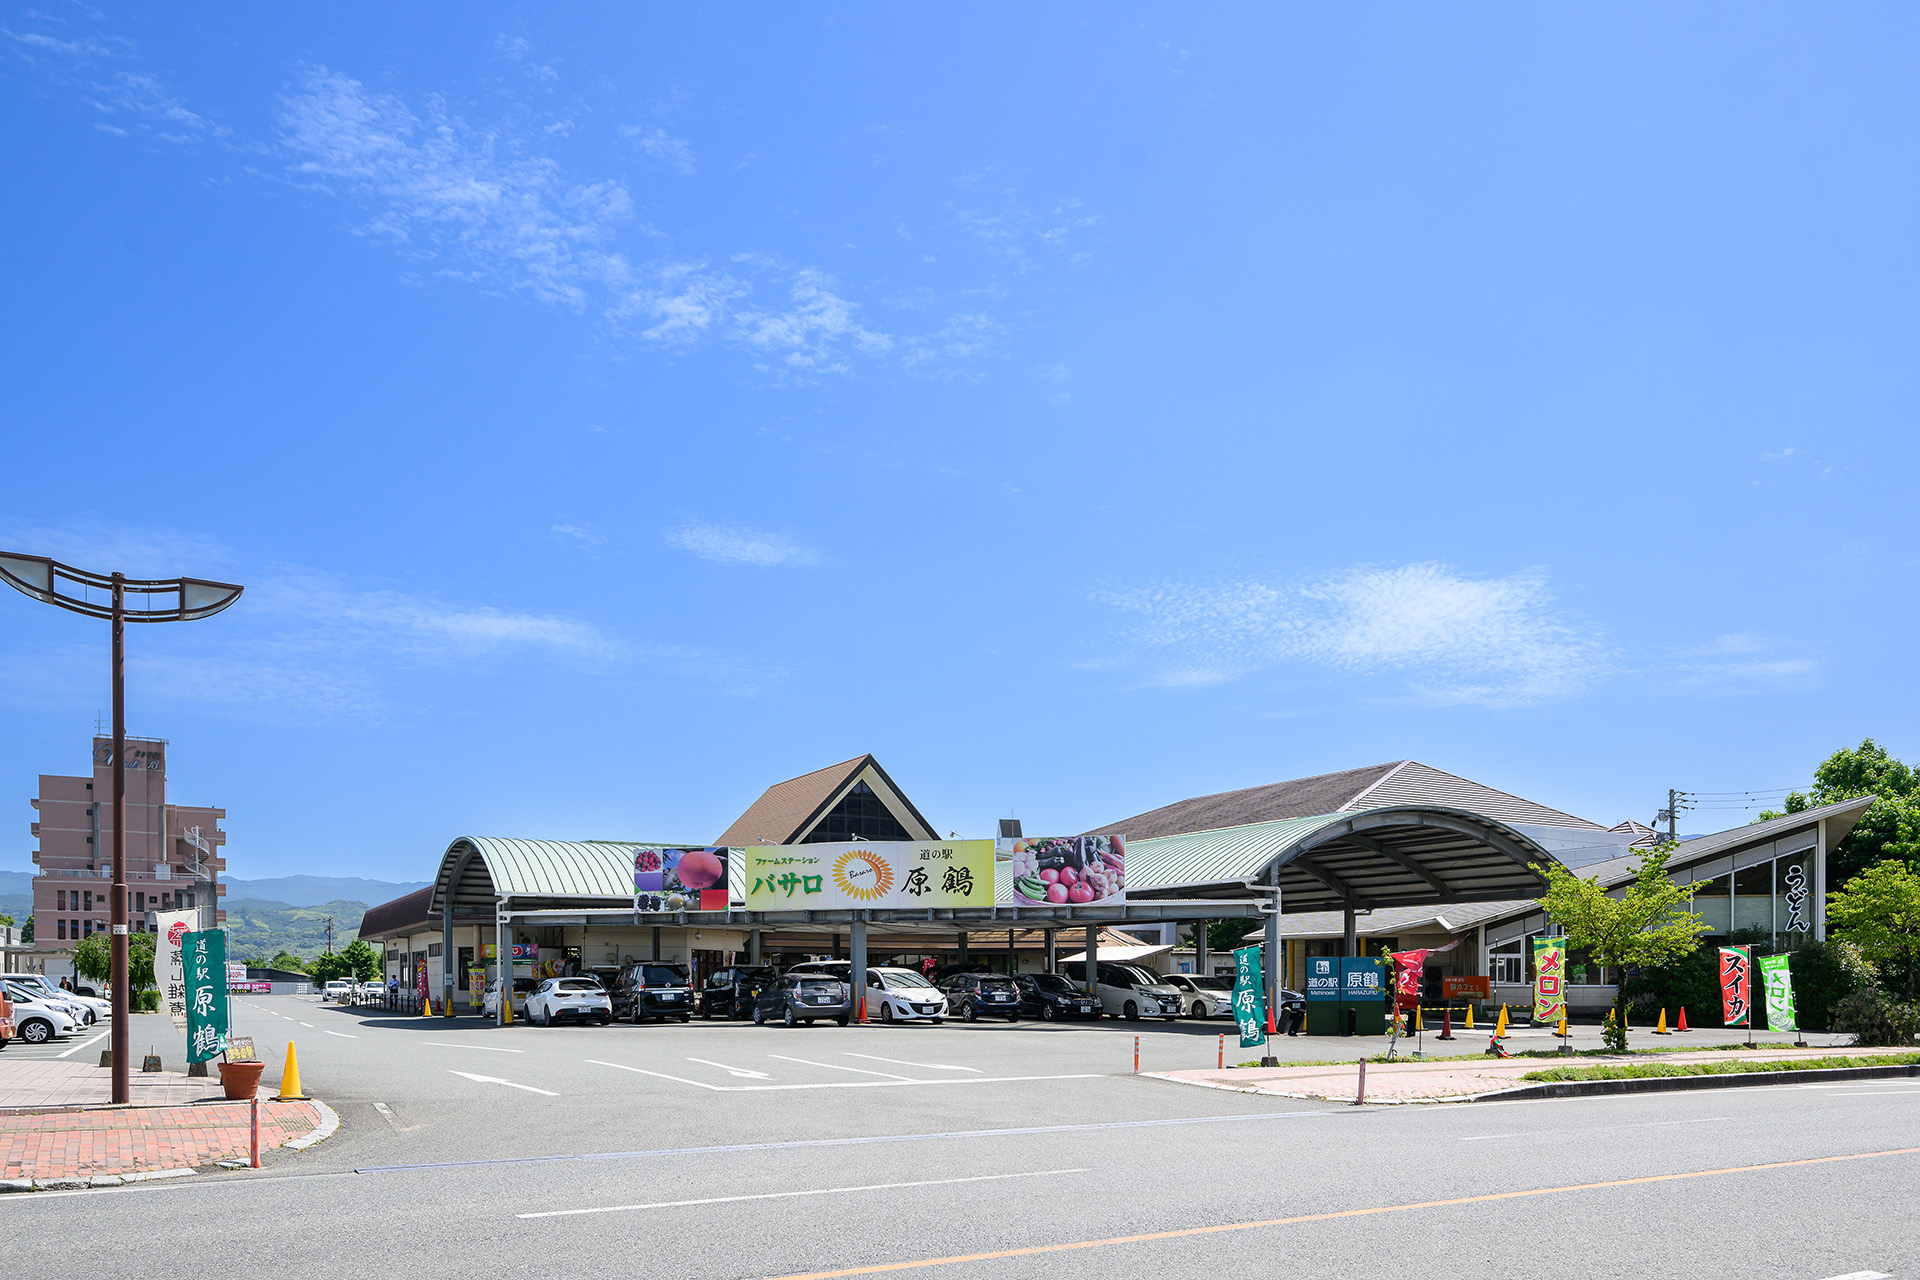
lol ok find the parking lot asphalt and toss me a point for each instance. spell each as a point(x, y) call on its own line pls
point(728, 1150)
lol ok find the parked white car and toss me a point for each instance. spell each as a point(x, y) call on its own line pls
point(372, 992)
point(490, 1002)
point(340, 989)
point(36, 1019)
point(1203, 996)
point(901, 995)
point(579, 999)
point(92, 1008)
point(1129, 991)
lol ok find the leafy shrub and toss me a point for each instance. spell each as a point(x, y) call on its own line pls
point(1825, 973)
point(146, 1002)
point(1874, 1017)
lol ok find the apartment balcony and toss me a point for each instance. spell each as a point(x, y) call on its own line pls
point(34, 827)
point(220, 890)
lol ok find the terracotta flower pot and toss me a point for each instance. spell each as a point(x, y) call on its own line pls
point(241, 1080)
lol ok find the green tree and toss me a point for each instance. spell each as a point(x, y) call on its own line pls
point(362, 960)
point(26, 930)
point(92, 959)
point(327, 966)
point(140, 947)
point(1647, 926)
point(5, 919)
point(1890, 828)
point(1879, 912)
point(288, 961)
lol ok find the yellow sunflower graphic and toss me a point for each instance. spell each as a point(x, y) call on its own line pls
point(865, 876)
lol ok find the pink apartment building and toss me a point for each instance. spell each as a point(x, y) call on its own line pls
point(173, 851)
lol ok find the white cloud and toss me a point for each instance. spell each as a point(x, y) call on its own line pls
point(734, 545)
point(1441, 636)
point(92, 65)
point(1737, 664)
point(470, 200)
point(585, 535)
point(675, 153)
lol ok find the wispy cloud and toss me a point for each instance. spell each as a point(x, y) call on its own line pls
point(466, 201)
point(675, 153)
point(1737, 664)
point(1437, 635)
point(582, 535)
point(735, 545)
point(127, 100)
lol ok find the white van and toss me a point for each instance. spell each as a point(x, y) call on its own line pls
point(1128, 991)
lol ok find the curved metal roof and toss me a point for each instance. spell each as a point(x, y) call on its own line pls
point(480, 870)
point(1391, 856)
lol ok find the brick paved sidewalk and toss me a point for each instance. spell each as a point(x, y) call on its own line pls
point(122, 1140)
point(49, 1082)
point(1444, 1079)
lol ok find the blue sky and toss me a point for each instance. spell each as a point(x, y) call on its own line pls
point(612, 411)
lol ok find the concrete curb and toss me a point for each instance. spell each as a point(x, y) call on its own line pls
point(88, 1183)
point(1664, 1084)
point(329, 1121)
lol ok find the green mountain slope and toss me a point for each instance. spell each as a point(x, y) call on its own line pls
point(259, 927)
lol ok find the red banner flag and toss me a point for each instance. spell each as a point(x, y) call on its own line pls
point(1407, 967)
point(1736, 985)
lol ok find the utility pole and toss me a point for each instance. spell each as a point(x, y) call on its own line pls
point(1670, 815)
point(329, 933)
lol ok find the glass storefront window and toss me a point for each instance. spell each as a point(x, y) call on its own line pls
point(1712, 905)
point(1753, 897)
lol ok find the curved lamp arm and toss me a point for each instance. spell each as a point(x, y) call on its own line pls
point(161, 599)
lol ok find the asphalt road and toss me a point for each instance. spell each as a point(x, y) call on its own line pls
point(727, 1150)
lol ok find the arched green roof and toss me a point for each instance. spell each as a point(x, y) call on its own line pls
point(477, 871)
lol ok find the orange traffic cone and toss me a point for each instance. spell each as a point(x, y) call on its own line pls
point(1500, 1027)
point(290, 1078)
point(1661, 1030)
point(1469, 1025)
point(1682, 1025)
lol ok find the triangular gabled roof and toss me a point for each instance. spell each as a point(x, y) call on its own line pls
point(1399, 782)
point(786, 811)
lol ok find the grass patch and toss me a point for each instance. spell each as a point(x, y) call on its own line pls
point(1649, 1070)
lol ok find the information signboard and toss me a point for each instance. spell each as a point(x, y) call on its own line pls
point(1323, 978)
point(879, 873)
point(203, 955)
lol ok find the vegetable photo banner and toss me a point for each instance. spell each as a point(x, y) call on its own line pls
point(1067, 870)
point(1549, 979)
point(1736, 985)
point(1779, 993)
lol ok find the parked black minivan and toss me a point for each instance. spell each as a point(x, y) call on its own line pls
point(971, 994)
point(730, 993)
point(804, 997)
point(652, 989)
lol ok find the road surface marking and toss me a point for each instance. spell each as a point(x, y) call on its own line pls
point(895, 1082)
point(1873, 1093)
point(307, 1025)
point(1335, 1215)
point(924, 1066)
point(77, 1048)
point(490, 1048)
point(742, 1072)
point(1862, 1275)
point(1549, 1133)
point(831, 1067)
point(870, 1140)
point(343, 1035)
point(386, 1113)
point(510, 1084)
point(817, 1191)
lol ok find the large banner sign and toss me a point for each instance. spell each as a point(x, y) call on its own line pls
point(680, 880)
point(204, 956)
point(1407, 968)
point(1249, 996)
point(1062, 870)
point(1736, 985)
point(168, 973)
point(1779, 989)
point(879, 873)
point(1549, 979)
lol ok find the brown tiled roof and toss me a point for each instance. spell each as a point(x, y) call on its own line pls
point(1300, 798)
point(785, 808)
point(402, 915)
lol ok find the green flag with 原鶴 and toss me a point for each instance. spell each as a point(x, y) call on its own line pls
point(1774, 972)
point(203, 960)
point(1249, 997)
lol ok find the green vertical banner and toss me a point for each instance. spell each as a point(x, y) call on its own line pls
point(203, 958)
point(1249, 997)
point(1773, 972)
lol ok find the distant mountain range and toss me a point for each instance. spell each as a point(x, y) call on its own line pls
point(315, 891)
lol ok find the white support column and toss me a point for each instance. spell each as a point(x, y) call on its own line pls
point(1093, 963)
point(503, 964)
point(1274, 951)
point(1202, 962)
point(857, 953)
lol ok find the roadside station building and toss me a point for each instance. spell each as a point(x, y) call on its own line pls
point(1400, 854)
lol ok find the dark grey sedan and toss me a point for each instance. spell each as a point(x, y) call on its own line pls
point(803, 997)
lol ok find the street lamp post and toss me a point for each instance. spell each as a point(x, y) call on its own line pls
point(165, 600)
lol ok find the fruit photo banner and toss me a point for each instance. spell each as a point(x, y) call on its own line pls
point(877, 873)
point(1060, 871)
point(1736, 985)
point(1549, 979)
point(680, 879)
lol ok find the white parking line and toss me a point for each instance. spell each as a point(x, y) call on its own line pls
point(77, 1048)
point(818, 1191)
point(809, 1062)
point(343, 1035)
point(1862, 1275)
point(897, 1083)
point(510, 1084)
point(924, 1066)
point(1548, 1133)
point(307, 1025)
point(490, 1048)
point(743, 1072)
